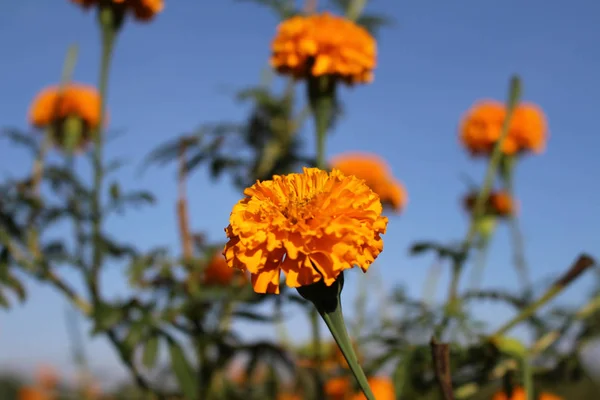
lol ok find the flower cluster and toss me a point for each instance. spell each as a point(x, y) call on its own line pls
point(324, 44)
point(481, 128)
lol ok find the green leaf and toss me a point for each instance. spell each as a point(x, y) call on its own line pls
point(510, 346)
point(183, 371)
point(106, 317)
point(134, 336)
point(150, 352)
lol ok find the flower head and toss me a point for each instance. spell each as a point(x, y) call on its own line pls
point(32, 393)
point(310, 225)
point(481, 128)
point(338, 388)
point(519, 394)
point(55, 108)
point(143, 10)
point(499, 203)
point(324, 44)
point(377, 175)
point(218, 273)
point(383, 389)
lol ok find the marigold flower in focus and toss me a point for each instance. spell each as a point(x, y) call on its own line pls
point(310, 225)
point(377, 174)
point(338, 388)
point(499, 203)
point(144, 10)
point(519, 394)
point(383, 389)
point(53, 109)
point(32, 393)
point(481, 128)
point(324, 44)
point(218, 273)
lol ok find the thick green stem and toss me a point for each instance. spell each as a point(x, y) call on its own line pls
point(321, 92)
point(109, 33)
point(527, 372)
point(326, 300)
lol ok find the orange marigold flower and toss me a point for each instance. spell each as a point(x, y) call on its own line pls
point(32, 393)
point(218, 272)
point(383, 389)
point(324, 44)
point(377, 174)
point(312, 225)
point(519, 394)
point(338, 388)
point(482, 125)
point(498, 203)
point(51, 109)
point(144, 10)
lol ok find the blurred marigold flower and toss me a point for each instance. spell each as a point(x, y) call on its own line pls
point(377, 174)
point(324, 44)
point(144, 10)
point(289, 396)
point(519, 394)
point(52, 109)
point(218, 273)
point(32, 393)
point(312, 225)
point(47, 377)
point(338, 388)
point(498, 203)
point(481, 127)
point(383, 389)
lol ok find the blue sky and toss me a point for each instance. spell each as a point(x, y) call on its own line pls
point(439, 57)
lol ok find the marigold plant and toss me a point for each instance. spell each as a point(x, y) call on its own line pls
point(143, 10)
point(377, 174)
point(53, 106)
point(324, 44)
point(481, 128)
point(310, 225)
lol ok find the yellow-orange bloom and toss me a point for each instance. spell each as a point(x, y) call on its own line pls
point(338, 388)
point(324, 44)
point(481, 127)
point(51, 108)
point(519, 394)
point(383, 389)
point(144, 10)
point(377, 174)
point(499, 203)
point(218, 273)
point(32, 393)
point(310, 225)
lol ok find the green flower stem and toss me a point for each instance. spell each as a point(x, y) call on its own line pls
point(527, 372)
point(321, 92)
point(326, 300)
point(109, 28)
point(488, 182)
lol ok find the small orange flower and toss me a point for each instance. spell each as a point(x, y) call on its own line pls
point(52, 109)
point(144, 10)
point(32, 393)
point(324, 44)
point(383, 389)
point(499, 203)
point(338, 388)
point(377, 174)
point(519, 394)
point(312, 225)
point(218, 273)
point(481, 128)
